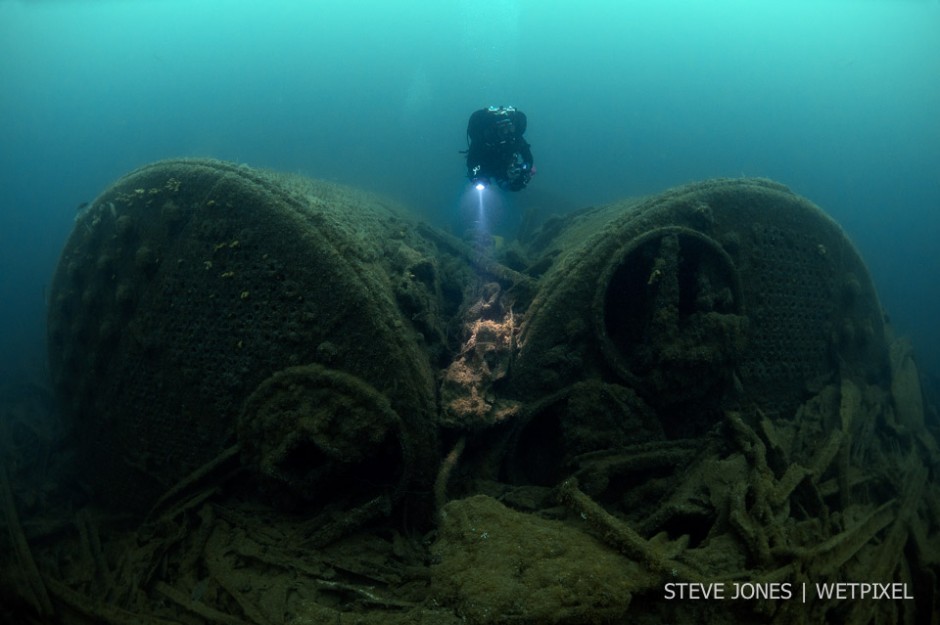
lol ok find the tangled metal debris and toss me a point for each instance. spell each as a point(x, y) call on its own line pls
point(284, 401)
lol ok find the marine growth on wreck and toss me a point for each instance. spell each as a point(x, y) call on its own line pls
point(281, 400)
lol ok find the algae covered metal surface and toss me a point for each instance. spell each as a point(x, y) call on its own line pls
point(280, 400)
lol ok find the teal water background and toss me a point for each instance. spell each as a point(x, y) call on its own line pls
point(840, 100)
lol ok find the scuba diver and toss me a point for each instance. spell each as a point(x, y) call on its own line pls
point(496, 152)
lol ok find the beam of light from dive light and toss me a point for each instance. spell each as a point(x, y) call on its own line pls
point(481, 212)
point(480, 208)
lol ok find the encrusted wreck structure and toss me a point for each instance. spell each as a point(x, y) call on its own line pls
point(281, 400)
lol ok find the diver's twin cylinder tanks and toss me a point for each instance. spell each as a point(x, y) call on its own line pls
point(200, 305)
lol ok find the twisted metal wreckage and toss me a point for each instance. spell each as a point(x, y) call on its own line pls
point(283, 401)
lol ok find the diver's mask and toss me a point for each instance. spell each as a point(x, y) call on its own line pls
point(505, 130)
